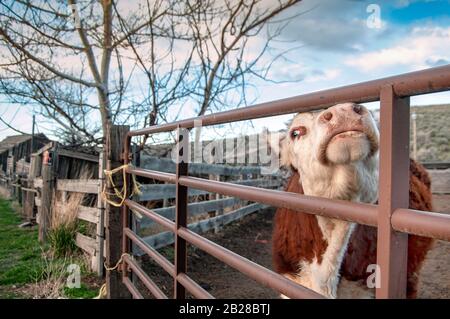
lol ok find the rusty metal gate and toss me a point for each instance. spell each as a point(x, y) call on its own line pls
point(392, 216)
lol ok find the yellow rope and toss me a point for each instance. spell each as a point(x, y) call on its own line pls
point(102, 294)
point(117, 264)
point(121, 194)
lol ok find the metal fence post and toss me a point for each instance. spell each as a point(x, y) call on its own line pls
point(125, 212)
point(183, 157)
point(392, 246)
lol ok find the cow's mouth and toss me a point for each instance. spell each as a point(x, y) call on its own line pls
point(353, 137)
point(348, 134)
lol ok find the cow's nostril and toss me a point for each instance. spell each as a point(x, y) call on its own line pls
point(357, 109)
point(327, 116)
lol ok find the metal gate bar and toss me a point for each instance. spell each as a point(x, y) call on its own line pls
point(391, 216)
point(409, 84)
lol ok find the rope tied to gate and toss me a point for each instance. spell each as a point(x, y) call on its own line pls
point(118, 262)
point(102, 294)
point(121, 194)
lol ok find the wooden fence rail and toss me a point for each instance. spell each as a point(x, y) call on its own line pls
point(167, 165)
point(167, 238)
point(165, 191)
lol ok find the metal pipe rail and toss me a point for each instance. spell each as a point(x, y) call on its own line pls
point(426, 224)
point(150, 251)
point(390, 216)
point(251, 269)
point(150, 284)
point(409, 84)
point(409, 221)
point(132, 288)
point(241, 264)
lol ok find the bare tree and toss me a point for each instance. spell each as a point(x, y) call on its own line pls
point(87, 63)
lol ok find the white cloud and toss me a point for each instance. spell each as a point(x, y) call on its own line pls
point(406, 3)
point(325, 75)
point(424, 47)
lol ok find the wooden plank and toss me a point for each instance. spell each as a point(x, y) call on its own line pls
point(89, 214)
point(82, 156)
point(194, 209)
point(46, 147)
point(29, 190)
point(100, 235)
point(436, 165)
point(85, 213)
point(48, 186)
point(162, 191)
point(29, 203)
point(166, 238)
point(89, 186)
point(440, 181)
point(86, 243)
point(167, 165)
point(37, 183)
point(222, 220)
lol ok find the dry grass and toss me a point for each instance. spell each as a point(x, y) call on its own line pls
point(51, 283)
point(65, 224)
point(66, 213)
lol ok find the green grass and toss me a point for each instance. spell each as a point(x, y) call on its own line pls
point(20, 251)
point(83, 292)
point(62, 240)
point(23, 260)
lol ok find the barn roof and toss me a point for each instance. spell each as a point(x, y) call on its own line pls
point(11, 141)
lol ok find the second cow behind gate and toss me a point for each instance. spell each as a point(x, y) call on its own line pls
point(334, 154)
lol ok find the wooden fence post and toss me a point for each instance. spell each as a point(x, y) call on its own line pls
point(101, 216)
point(46, 201)
point(114, 224)
point(29, 195)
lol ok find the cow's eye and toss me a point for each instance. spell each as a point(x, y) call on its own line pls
point(298, 131)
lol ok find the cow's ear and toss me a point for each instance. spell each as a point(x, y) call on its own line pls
point(278, 143)
point(285, 156)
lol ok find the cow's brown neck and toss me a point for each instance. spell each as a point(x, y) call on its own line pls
point(297, 236)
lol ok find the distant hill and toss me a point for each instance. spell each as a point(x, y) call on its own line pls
point(433, 132)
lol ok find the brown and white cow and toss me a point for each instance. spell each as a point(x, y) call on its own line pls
point(334, 154)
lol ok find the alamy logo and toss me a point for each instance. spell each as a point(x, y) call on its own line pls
point(259, 149)
point(74, 278)
point(374, 19)
point(74, 11)
point(374, 279)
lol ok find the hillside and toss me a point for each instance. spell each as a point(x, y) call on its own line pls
point(433, 133)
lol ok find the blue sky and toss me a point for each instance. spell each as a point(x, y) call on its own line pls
point(338, 46)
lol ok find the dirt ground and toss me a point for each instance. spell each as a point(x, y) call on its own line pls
point(251, 237)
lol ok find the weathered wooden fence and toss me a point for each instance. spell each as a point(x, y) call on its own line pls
point(222, 211)
point(43, 195)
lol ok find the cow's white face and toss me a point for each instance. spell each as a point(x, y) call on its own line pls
point(342, 134)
